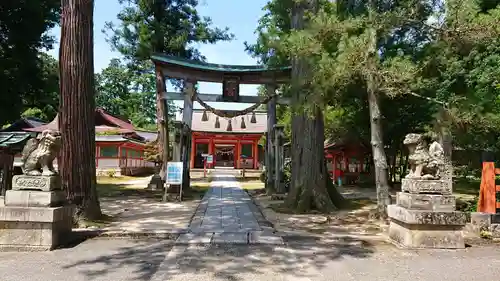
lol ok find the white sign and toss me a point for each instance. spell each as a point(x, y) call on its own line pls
point(174, 173)
point(210, 159)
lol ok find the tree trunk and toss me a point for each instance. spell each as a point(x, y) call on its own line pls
point(379, 157)
point(161, 105)
point(377, 142)
point(309, 176)
point(162, 123)
point(77, 109)
point(308, 180)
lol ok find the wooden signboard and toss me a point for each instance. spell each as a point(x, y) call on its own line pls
point(231, 89)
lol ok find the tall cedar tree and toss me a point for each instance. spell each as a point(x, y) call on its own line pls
point(76, 119)
point(169, 27)
point(311, 186)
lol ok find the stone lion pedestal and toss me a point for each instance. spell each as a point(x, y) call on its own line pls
point(425, 213)
point(35, 217)
point(424, 216)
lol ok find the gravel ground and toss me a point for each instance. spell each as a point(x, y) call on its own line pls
point(117, 260)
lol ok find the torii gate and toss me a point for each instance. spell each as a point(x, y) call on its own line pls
point(231, 76)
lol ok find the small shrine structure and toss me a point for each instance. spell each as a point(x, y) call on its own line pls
point(347, 158)
point(189, 132)
point(232, 142)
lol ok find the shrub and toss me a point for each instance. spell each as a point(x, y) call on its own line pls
point(469, 206)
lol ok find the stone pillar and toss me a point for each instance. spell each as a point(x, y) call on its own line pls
point(176, 143)
point(187, 119)
point(35, 215)
point(279, 159)
point(425, 215)
point(271, 121)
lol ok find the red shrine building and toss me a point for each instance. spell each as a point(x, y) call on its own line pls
point(233, 142)
point(347, 159)
point(119, 145)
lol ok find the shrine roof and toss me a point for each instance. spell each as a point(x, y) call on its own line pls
point(214, 66)
point(175, 67)
point(14, 139)
point(23, 123)
point(259, 127)
point(148, 136)
point(117, 138)
point(103, 120)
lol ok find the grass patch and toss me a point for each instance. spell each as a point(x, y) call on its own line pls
point(250, 183)
point(120, 179)
point(465, 186)
point(123, 190)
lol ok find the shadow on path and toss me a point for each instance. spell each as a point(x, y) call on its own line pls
point(152, 261)
point(142, 258)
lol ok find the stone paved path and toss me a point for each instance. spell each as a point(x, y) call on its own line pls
point(155, 260)
point(226, 214)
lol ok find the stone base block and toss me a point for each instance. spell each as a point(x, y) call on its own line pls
point(30, 198)
point(34, 228)
point(420, 217)
point(417, 186)
point(43, 183)
point(485, 222)
point(484, 219)
point(426, 236)
point(427, 202)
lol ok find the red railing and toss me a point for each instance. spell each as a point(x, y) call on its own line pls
point(488, 190)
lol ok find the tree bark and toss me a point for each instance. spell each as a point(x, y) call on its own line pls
point(161, 106)
point(379, 156)
point(77, 108)
point(311, 186)
point(162, 123)
point(377, 142)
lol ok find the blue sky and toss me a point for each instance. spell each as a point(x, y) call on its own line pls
point(240, 16)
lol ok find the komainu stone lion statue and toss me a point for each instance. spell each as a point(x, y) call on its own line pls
point(39, 153)
point(426, 162)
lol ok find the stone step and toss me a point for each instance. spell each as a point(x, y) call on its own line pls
point(234, 238)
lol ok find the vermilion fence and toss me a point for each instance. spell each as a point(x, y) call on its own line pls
point(488, 192)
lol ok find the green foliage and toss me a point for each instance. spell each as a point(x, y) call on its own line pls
point(127, 88)
point(421, 64)
point(462, 68)
point(35, 112)
point(128, 94)
point(26, 74)
point(171, 27)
